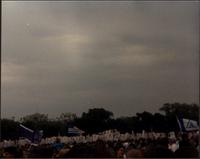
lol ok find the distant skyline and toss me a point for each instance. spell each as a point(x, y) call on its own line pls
point(126, 57)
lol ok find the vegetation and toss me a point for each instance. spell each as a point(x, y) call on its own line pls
point(99, 119)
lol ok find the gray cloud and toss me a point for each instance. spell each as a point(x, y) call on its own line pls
point(124, 56)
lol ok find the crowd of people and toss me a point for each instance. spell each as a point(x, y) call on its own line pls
point(108, 144)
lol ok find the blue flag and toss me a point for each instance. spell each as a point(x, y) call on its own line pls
point(74, 131)
point(33, 136)
point(37, 137)
point(26, 133)
point(187, 125)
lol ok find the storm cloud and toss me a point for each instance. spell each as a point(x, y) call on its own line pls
point(126, 57)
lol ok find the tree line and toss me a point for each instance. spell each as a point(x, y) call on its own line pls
point(98, 119)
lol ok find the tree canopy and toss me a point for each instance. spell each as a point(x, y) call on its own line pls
point(98, 119)
point(183, 110)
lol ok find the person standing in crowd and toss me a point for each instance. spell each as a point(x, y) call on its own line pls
point(120, 151)
point(186, 149)
point(12, 152)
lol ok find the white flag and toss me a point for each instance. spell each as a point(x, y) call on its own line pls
point(188, 125)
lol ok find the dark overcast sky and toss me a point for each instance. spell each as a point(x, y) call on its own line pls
point(127, 57)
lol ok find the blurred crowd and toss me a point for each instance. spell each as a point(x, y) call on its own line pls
point(109, 144)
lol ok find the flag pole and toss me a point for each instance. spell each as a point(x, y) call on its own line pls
point(181, 131)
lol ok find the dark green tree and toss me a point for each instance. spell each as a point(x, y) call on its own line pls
point(159, 123)
point(181, 110)
point(145, 120)
point(34, 121)
point(9, 129)
point(95, 120)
